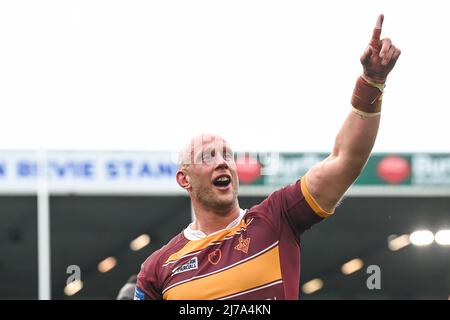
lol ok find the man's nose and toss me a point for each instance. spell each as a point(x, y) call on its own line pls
point(221, 163)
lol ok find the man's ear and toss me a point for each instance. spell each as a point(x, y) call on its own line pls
point(183, 179)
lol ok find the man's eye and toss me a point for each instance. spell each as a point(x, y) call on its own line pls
point(207, 156)
point(228, 156)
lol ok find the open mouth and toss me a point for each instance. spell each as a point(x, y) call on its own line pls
point(222, 181)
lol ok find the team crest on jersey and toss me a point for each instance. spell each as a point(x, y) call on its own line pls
point(190, 265)
point(215, 256)
point(243, 244)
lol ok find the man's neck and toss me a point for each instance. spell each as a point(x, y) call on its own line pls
point(209, 222)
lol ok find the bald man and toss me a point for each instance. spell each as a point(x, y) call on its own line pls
point(231, 253)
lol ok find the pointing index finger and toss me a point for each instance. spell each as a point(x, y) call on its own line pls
point(377, 31)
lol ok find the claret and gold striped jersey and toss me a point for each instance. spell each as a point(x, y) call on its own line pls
point(256, 257)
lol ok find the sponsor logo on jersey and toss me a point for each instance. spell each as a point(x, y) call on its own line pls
point(138, 294)
point(190, 265)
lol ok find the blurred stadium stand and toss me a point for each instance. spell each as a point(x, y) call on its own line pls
point(86, 229)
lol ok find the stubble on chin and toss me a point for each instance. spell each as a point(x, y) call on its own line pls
point(215, 203)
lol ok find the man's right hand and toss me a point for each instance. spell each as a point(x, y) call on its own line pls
point(380, 56)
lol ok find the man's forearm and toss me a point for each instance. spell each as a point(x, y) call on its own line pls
point(355, 141)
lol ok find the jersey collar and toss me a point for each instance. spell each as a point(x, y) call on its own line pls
point(192, 234)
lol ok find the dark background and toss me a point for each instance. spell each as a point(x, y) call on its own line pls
point(87, 229)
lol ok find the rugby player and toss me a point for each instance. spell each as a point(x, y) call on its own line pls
point(231, 253)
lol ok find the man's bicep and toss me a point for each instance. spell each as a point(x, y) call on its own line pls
point(328, 180)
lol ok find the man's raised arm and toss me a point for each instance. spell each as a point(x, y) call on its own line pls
point(328, 180)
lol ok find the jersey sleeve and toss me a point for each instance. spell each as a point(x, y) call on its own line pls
point(293, 205)
point(147, 285)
